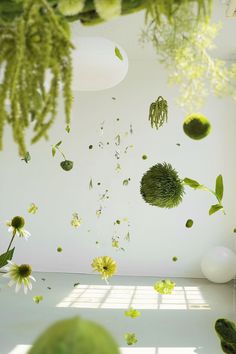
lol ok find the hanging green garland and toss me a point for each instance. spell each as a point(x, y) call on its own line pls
point(158, 112)
point(33, 47)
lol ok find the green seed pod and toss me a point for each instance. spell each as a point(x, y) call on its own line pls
point(162, 187)
point(18, 222)
point(67, 165)
point(196, 126)
point(189, 223)
point(77, 336)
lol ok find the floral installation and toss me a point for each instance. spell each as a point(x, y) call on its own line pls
point(76, 220)
point(66, 165)
point(130, 338)
point(33, 208)
point(105, 265)
point(164, 287)
point(161, 186)
point(20, 275)
point(132, 313)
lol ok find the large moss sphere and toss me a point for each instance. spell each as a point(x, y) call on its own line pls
point(75, 336)
point(196, 126)
point(161, 186)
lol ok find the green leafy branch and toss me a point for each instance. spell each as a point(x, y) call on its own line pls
point(66, 165)
point(218, 192)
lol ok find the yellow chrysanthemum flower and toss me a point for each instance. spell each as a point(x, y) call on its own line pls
point(105, 265)
point(164, 287)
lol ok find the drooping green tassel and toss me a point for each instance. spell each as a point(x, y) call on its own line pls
point(158, 112)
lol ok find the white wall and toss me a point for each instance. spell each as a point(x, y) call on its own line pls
point(156, 234)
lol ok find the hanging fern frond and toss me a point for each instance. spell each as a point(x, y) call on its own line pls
point(158, 112)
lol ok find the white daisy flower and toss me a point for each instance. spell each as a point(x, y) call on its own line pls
point(16, 227)
point(19, 275)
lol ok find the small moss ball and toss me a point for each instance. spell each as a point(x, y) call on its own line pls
point(90, 147)
point(144, 157)
point(196, 126)
point(234, 230)
point(18, 222)
point(59, 249)
point(162, 187)
point(189, 223)
point(174, 259)
point(77, 336)
point(67, 165)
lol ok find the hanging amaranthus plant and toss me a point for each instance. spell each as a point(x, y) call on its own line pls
point(158, 112)
point(34, 47)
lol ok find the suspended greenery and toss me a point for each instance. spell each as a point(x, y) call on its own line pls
point(183, 36)
point(34, 47)
point(226, 331)
point(158, 112)
point(75, 335)
point(196, 126)
point(66, 165)
point(35, 59)
point(218, 192)
point(162, 187)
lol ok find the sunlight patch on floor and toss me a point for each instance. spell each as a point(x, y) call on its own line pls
point(139, 297)
point(22, 349)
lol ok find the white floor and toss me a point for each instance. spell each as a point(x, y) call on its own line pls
point(182, 323)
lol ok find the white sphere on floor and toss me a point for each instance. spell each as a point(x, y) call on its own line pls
point(219, 264)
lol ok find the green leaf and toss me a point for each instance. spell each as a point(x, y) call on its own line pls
point(54, 150)
point(58, 144)
point(219, 190)
point(118, 53)
point(27, 157)
point(7, 256)
point(192, 183)
point(38, 298)
point(214, 208)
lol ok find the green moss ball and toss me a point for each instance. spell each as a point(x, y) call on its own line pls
point(75, 336)
point(144, 157)
point(196, 126)
point(162, 187)
point(189, 223)
point(59, 249)
point(67, 165)
point(174, 259)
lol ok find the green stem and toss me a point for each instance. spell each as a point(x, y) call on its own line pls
point(13, 236)
point(61, 152)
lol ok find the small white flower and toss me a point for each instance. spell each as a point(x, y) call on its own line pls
point(16, 227)
point(19, 275)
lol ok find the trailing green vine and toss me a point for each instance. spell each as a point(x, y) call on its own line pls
point(33, 47)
